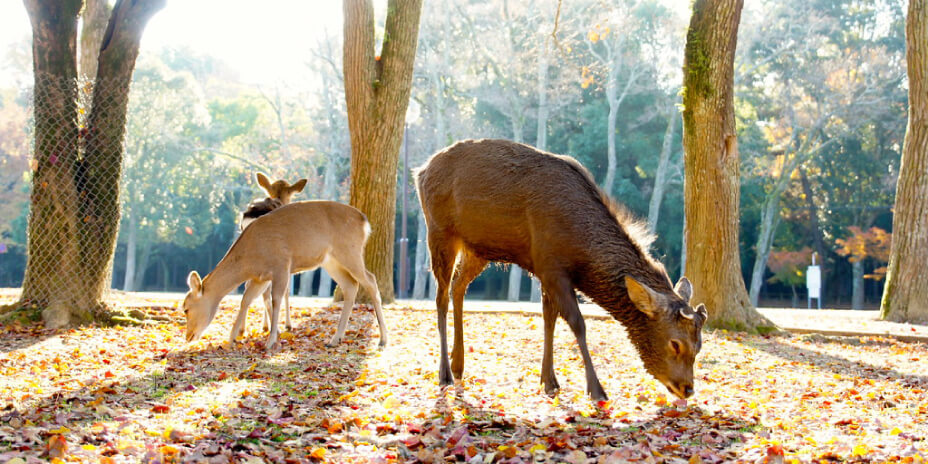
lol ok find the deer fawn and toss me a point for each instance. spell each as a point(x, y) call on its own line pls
point(495, 200)
point(278, 194)
point(294, 238)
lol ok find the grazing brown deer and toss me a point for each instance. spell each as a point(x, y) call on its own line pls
point(294, 238)
point(495, 200)
point(278, 194)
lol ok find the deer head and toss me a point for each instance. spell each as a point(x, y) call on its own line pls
point(198, 308)
point(280, 189)
point(674, 333)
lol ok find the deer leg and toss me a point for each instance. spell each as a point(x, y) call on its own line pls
point(443, 255)
point(287, 308)
point(566, 301)
point(370, 286)
point(267, 308)
point(349, 288)
point(353, 264)
point(278, 288)
point(467, 269)
point(252, 290)
point(549, 311)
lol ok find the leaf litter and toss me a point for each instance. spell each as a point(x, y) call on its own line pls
point(142, 394)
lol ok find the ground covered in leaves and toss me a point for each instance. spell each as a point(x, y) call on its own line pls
point(130, 394)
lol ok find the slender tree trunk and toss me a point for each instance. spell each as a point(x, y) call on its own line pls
point(377, 94)
point(141, 266)
point(421, 263)
point(817, 240)
point(515, 272)
point(769, 220)
point(541, 139)
point(131, 244)
point(660, 177)
point(75, 203)
point(712, 167)
point(905, 295)
point(611, 161)
point(857, 285)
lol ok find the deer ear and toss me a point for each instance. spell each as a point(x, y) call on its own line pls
point(298, 186)
point(263, 181)
point(702, 313)
point(684, 288)
point(193, 280)
point(645, 299)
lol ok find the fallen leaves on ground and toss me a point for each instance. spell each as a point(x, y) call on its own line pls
point(131, 394)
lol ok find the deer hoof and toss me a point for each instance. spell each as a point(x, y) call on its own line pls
point(382, 344)
point(598, 394)
point(551, 387)
point(444, 376)
point(333, 342)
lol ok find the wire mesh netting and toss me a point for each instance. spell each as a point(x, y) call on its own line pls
point(76, 130)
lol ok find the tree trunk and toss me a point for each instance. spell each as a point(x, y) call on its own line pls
point(611, 161)
point(660, 177)
point(142, 266)
point(128, 282)
point(857, 285)
point(711, 184)
point(94, 17)
point(377, 93)
point(421, 261)
point(515, 272)
point(75, 201)
point(905, 296)
point(815, 228)
point(541, 138)
point(769, 220)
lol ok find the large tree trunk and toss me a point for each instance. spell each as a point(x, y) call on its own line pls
point(377, 93)
point(663, 163)
point(712, 167)
point(74, 213)
point(905, 296)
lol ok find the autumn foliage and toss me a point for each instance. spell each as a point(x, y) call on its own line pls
point(873, 243)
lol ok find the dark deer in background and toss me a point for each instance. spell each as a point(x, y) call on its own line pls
point(279, 193)
point(495, 200)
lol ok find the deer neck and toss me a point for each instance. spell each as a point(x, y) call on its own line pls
point(223, 280)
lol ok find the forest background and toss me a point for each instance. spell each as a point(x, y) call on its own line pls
point(820, 92)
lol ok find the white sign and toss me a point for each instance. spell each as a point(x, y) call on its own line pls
point(814, 281)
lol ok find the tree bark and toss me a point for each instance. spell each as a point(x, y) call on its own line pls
point(905, 296)
point(857, 285)
point(712, 178)
point(128, 282)
point(815, 228)
point(541, 137)
point(94, 17)
point(663, 163)
point(377, 93)
point(421, 261)
point(75, 201)
point(769, 220)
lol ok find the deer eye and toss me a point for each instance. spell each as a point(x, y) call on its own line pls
point(676, 346)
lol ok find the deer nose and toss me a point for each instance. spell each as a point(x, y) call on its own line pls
point(687, 391)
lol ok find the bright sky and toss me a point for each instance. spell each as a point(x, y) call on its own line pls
point(266, 44)
point(263, 43)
